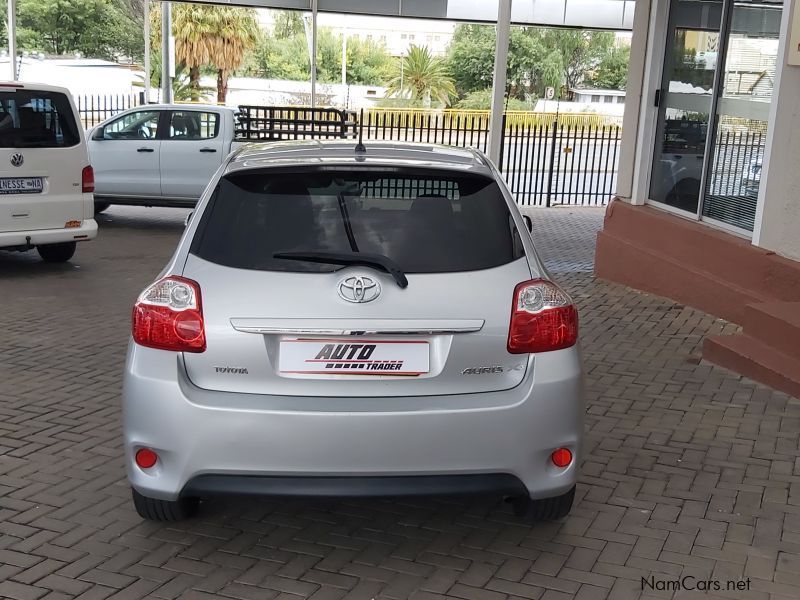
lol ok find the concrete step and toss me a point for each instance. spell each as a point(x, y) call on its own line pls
point(777, 324)
point(756, 360)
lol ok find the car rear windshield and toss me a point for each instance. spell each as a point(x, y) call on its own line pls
point(425, 221)
point(36, 119)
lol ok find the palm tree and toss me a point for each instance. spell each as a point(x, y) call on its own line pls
point(422, 77)
point(183, 89)
point(217, 36)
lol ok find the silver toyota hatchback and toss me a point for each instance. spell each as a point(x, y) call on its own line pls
point(341, 321)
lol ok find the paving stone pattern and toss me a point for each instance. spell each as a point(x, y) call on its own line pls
point(689, 469)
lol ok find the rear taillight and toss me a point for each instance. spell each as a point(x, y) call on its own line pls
point(169, 316)
point(87, 180)
point(543, 318)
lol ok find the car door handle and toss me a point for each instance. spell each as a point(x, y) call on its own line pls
point(208, 149)
point(145, 150)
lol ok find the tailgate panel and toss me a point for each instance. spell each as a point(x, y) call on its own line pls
point(462, 318)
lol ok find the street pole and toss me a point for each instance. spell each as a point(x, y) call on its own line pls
point(166, 55)
point(146, 51)
point(12, 39)
point(314, 53)
point(344, 57)
point(499, 89)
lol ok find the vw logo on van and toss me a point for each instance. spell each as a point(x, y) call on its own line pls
point(359, 289)
point(17, 160)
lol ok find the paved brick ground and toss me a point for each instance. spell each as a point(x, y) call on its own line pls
point(689, 469)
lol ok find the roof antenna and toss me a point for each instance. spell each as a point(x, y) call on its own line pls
point(360, 148)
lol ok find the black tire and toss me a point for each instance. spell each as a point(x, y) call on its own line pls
point(56, 253)
point(164, 510)
point(100, 207)
point(550, 509)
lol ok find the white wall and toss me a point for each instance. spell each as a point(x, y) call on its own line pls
point(777, 224)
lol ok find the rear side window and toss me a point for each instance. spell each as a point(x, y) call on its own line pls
point(193, 125)
point(425, 221)
point(36, 119)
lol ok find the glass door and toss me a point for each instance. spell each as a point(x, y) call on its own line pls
point(741, 113)
point(685, 102)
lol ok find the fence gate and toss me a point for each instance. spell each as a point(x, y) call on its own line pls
point(555, 163)
point(546, 159)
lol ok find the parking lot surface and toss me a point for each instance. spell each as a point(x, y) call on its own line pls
point(690, 475)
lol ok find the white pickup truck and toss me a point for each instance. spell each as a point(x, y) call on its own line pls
point(165, 154)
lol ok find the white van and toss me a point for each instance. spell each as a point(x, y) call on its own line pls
point(46, 182)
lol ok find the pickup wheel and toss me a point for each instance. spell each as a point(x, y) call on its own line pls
point(164, 510)
point(100, 207)
point(56, 253)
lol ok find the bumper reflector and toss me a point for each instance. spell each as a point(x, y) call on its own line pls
point(146, 458)
point(72, 224)
point(561, 457)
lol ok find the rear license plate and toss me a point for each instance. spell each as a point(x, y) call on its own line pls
point(354, 357)
point(21, 185)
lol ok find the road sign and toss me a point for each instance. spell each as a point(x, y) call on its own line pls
point(550, 93)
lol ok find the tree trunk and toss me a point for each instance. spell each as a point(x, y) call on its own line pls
point(222, 86)
point(194, 78)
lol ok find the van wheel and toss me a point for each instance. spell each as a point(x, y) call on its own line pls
point(100, 207)
point(56, 253)
point(164, 510)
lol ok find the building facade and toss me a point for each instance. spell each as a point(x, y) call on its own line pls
point(708, 207)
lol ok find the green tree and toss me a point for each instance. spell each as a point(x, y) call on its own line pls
point(482, 100)
point(580, 51)
point(612, 72)
point(368, 63)
point(422, 78)
point(288, 24)
point(183, 89)
point(537, 58)
point(97, 28)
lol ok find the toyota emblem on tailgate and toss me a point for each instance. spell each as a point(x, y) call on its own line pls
point(359, 289)
point(17, 160)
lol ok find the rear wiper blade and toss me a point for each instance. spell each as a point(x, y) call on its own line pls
point(376, 261)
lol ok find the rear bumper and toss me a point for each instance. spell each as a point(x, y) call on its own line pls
point(40, 237)
point(217, 443)
point(375, 486)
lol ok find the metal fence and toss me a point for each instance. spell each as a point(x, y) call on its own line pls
point(553, 164)
point(94, 109)
point(546, 159)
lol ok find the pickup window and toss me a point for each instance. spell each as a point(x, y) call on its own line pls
point(139, 125)
point(193, 125)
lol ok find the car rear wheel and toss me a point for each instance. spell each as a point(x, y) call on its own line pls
point(545, 509)
point(153, 509)
point(56, 253)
